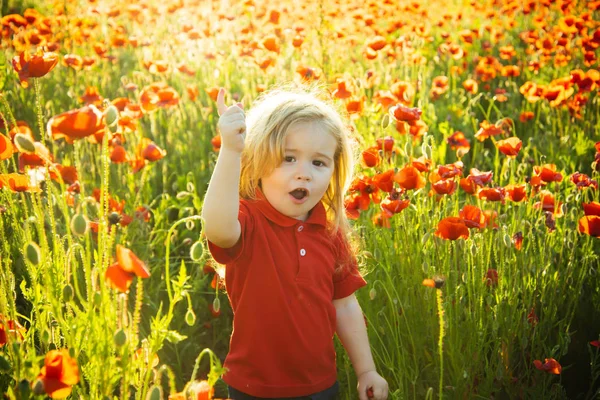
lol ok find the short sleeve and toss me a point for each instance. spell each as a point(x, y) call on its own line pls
point(347, 279)
point(225, 256)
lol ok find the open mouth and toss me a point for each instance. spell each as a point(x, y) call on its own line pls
point(299, 193)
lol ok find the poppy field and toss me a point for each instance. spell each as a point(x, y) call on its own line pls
point(475, 202)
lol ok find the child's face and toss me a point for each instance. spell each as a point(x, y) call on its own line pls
point(302, 178)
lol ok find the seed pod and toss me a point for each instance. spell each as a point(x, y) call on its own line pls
point(190, 317)
point(155, 393)
point(68, 292)
point(38, 387)
point(114, 218)
point(24, 143)
point(197, 251)
point(79, 224)
point(120, 338)
point(33, 253)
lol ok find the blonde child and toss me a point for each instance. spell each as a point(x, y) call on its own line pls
point(274, 215)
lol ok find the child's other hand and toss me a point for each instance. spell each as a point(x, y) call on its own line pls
point(372, 386)
point(232, 124)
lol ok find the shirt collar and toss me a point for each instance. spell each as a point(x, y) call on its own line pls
point(317, 215)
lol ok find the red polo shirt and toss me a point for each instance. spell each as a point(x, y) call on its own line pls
point(281, 283)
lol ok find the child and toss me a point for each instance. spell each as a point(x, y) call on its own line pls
point(274, 215)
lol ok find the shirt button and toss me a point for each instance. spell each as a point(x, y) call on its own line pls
point(300, 228)
point(302, 252)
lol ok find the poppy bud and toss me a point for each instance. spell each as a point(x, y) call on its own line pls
point(182, 195)
point(189, 224)
point(197, 251)
point(190, 317)
point(4, 364)
point(155, 393)
point(190, 187)
point(216, 304)
point(97, 300)
point(111, 117)
point(68, 292)
point(24, 389)
point(24, 143)
point(385, 121)
point(38, 387)
point(187, 241)
point(507, 240)
point(372, 293)
point(120, 338)
point(32, 253)
point(79, 224)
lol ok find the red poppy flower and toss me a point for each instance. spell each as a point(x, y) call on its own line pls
point(472, 216)
point(492, 194)
point(444, 186)
point(510, 146)
point(341, 92)
point(582, 181)
point(9, 330)
point(491, 277)
point(128, 265)
point(393, 204)
point(437, 282)
point(468, 185)
point(158, 95)
point(382, 220)
point(590, 225)
point(452, 228)
point(471, 86)
point(410, 178)
point(550, 365)
point(532, 317)
point(458, 141)
point(34, 66)
point(59, 373)
point(595, 343)
point(526, 116)
point(148, 150)
point(385, 144)
point(518, 240)
point(17, 183)
point(516, 193)
point(6, 148)
point(547, 203)
point(486, 130)
point(370, 157)
point(385, 180)
point(402, 113)
point(76, 124)
point(480, 178)
point(450, 170)
point(592, 208)
point(422, 164)
point(547, 173)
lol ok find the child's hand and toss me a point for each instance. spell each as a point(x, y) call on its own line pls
point(232, 124)
point(372, 386)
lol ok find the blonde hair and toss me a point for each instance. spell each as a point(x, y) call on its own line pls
point(267, 124)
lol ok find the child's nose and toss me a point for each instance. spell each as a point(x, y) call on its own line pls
point(302, 173)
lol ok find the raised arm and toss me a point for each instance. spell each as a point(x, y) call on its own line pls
point(221, 203)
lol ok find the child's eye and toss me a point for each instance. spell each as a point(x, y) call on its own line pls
point(289, 159)
point(319, 163)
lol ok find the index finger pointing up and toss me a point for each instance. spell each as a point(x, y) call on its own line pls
point(221, 107)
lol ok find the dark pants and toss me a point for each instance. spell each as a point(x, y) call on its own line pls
point(327, 394)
